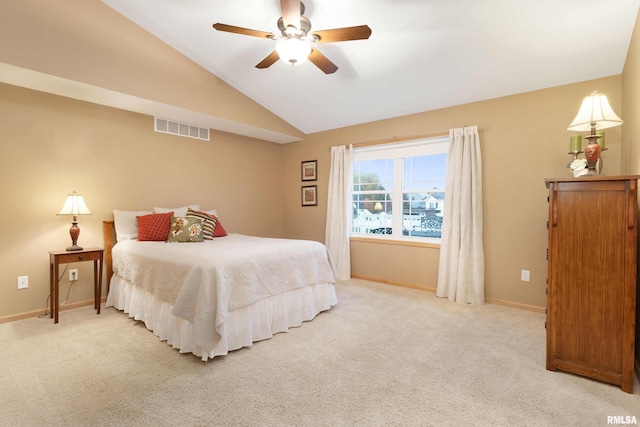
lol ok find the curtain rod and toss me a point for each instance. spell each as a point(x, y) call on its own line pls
point(401, 139)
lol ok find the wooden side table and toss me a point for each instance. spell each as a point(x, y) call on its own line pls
point(67, 257)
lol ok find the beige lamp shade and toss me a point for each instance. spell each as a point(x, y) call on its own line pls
point(74, 205)
point(595, 110)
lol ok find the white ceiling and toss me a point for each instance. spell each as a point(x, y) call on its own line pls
point(422, 54)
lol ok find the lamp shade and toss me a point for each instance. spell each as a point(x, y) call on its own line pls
point(293, 50)
point(74, 205)
point(595, 111)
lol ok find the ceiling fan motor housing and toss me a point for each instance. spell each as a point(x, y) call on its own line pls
point(305, 26)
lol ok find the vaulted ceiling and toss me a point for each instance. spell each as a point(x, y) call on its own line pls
point(422, 54)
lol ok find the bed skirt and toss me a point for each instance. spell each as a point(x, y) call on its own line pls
point(243, 326)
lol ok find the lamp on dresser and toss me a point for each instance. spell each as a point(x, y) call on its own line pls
point(74, 205)
point(594, 115)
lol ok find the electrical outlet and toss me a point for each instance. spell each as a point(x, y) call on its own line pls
point(73, 274)
point(525, 275)
point(23, 282)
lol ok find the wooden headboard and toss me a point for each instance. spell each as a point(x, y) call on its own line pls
point(109, 232)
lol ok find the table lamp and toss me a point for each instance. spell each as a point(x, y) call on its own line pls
point(595, 114)
point(74, 205)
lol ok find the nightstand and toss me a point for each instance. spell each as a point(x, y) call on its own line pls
point(67, 257)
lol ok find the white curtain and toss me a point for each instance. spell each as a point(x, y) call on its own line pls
point(461, 271)
point(338, 213)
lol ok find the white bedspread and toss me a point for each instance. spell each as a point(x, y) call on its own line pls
point(203, 282)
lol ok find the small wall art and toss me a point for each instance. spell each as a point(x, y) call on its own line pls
point(309, 170)
point(309, 195)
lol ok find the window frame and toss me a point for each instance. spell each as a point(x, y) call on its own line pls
point(398, 152)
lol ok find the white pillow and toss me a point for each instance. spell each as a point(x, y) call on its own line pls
point(177, 211)
point(126, 224)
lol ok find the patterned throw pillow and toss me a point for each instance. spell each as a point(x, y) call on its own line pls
point(218, 231)
point(185, 229)
point(208, 222)
point(154, 227)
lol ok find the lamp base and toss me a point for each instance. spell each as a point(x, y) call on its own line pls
point(74, 231)
point(592, 155)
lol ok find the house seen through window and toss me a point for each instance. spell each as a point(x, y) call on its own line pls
point(398, 190)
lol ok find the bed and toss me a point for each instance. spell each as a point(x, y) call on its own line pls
point(219, 295)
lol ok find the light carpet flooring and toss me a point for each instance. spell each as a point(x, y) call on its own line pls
point(384, 356)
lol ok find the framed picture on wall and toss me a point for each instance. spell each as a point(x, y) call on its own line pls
point(309, 195)
point(309, 170)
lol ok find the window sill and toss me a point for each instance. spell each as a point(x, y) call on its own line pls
point(395, 242)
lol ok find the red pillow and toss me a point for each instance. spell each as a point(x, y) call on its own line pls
point(219, 231)
point(154, 227)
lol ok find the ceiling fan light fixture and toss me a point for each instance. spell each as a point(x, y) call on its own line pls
point(293, 50)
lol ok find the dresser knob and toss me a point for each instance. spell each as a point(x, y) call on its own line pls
point(80, 257)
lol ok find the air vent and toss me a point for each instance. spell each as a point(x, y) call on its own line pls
point(181, 129)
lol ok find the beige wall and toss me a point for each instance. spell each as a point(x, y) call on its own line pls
point(52, 146)
point(631, 105)
point(524, 140)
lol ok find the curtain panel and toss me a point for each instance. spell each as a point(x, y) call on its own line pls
point(338, 215)
point(461, 271)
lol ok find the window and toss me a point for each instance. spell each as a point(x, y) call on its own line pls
point(398, 190)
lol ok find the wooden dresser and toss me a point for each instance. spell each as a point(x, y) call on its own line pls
point(591, 293)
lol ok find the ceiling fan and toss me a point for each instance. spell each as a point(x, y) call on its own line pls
point(295, 42)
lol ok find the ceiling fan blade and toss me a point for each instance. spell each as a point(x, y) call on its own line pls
point(243, 31)
point(322, 62)
point(290, 13)
point(360, 32)
point(269, 60)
